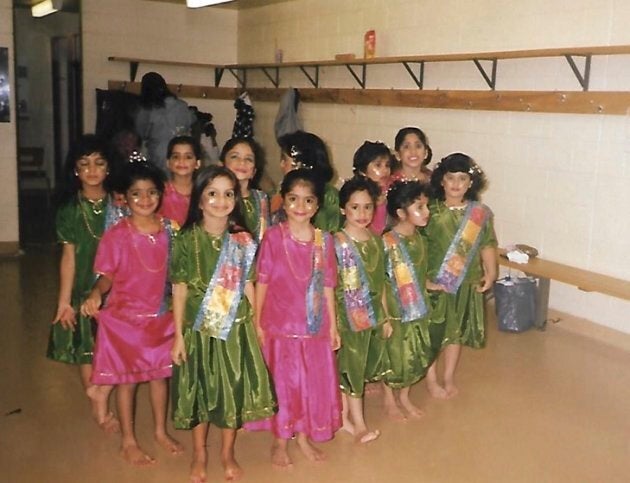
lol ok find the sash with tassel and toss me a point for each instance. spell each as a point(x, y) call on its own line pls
point(405, 283)
point(463, 247)
point(355, 286)
point(315, 289)
point(220, 302)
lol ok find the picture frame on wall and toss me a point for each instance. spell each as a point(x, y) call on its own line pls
point(5, 88)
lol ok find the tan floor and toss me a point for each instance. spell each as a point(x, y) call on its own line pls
point(534, 407)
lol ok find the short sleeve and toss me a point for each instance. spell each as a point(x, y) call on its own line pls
point(265, 259)
point(330, 272)
point(180, 258)
point(66, 224)
point(108, 254)
point(489, 237)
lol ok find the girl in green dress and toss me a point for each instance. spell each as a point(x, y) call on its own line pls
point(462, 261)
point(85, 208)
point(360, 296)
point(306, 150)
point(415, 339)
point(243, 156)
point(219, 375)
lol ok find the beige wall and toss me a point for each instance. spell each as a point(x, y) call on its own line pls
point(558, 182)
point(9, 230)
point(162, 31)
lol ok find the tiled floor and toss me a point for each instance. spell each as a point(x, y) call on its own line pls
point(534, 407)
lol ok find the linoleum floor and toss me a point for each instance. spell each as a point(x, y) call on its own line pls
point(533, 407)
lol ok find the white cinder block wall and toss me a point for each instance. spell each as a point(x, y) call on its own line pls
point(559, 182)
point(162, 31)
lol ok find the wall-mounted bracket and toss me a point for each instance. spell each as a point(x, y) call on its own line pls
point(133, 70)
point(275, 80)
point(360, 80)
point(419, 79)
point(218, 74)
point(583, 79)
point(241, 80)
point(314, 79)
point(491, 79)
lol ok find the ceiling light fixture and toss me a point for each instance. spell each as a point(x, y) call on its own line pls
point(204, 3)
point(46, 7)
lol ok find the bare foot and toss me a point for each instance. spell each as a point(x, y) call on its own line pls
point(366, 436)
point(413, 410)
point(198, 468)
point(393, 412)
point(436, 391)
point(372, 389)
point(231, 470)
point(451, 390)
point(135, 456)
point(111, 424)
point(169, 444)
point(310, 451)
point(280, 457)
point(348, 427)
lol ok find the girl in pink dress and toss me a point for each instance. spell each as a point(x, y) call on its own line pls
point(135, 327)
point(295, 320)
point(183, 158)
point(413, 154)
point(374, 160)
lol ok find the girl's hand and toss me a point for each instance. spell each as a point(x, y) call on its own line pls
point(387, 330)
point(178, 352)
point(434, 287)
point(485, 283)
point(335, 340)
point(260, 334)
point(92, 304)
point(65, 316)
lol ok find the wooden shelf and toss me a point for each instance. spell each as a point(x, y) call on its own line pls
point(579, 102)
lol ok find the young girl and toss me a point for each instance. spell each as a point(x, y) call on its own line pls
point(295, 314)
point(220, 375)
point(85, 208)
point(415, 339)
point(462, 261)
point(362, 320)
point(413, 154)
point(183, 159)
point(135, 330)
point(306, 150)
point(243, 157)
point(374, 160)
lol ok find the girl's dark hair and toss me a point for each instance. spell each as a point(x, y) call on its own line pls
point(84, 146)
point(259, 156)
point(458, 163)
point(358, 183)
point(141, 170)
point(400, 138)
point(309, 151)
point(236, 223)
point(153, 90)
point(402, 194)
point(188, 140)
point(305, 176)
point(368, 152)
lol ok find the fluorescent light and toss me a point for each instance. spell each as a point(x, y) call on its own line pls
point(46, 8)
point(204, 3)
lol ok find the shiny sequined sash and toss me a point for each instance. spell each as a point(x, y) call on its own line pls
point(220, 302)
point(261, 205)
point(463, 247)
point(355, 286)
point(405, 283)
point(114, 212)
point(315, 289)
point(171, 227)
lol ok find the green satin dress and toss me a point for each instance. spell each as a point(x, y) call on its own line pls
point(414, 345)
point(464, 311)
point(80, 223)
point(363, 355)
point(225, 383)
point(251, 215)
point(328, 218)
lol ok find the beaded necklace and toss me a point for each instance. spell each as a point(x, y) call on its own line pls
point(97, 209)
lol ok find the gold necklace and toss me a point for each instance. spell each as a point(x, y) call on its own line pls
point(364, 248)
point(86, 221)
point(215, 245)
point(286, 252)
point(152, 240)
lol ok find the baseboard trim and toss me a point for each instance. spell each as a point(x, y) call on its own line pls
point(587, 328)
